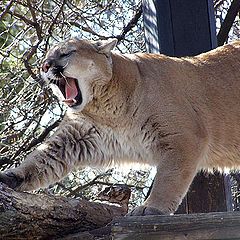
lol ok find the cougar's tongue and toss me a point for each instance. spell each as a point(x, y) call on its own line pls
point(71, 91)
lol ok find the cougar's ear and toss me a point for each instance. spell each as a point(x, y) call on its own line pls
point(106, 46)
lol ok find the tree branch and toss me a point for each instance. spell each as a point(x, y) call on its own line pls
point(5, 11)
point(218, 3)
point(228, 22)
point(131, 24)
point(42, 136)
point(31, 216)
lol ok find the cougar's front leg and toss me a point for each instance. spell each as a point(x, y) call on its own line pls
point(175, 173)
point(71, 146)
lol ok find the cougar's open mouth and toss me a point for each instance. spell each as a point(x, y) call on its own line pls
point(70, 90)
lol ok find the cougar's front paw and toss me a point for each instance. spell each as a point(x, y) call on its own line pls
point(10, 179)
point(144, 210)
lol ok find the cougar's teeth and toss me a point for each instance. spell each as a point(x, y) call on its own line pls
point(70, 102)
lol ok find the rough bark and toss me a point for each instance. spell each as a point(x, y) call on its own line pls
point(201, 226)
point(32, 216)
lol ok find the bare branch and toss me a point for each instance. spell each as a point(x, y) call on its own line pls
point(218, 3)
point(131, 24)
point(42, 136)
point(6, 10)
point(228, 22)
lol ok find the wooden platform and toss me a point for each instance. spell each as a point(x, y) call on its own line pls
point(204, 226)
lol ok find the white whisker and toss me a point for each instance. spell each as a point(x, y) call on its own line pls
point(63, 75)
point(65, 78)
point(67, 71)
point(66, 65)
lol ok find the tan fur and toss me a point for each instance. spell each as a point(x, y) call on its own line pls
point(178, 114)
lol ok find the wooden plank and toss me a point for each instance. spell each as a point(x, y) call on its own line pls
point(151, 26)
point(193, 29)
point(179, 27)
point(207, 194)
point(208, 226)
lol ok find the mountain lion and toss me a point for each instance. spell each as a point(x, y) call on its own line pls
point(178, 114)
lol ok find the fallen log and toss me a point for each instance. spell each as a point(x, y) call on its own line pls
point(33, 216)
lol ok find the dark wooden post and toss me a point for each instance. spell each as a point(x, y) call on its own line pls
point(187, 28)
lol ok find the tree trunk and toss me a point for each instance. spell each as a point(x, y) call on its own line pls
point(32, 216)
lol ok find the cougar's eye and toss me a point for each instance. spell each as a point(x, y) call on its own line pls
point(62, 55)
point(67, 54)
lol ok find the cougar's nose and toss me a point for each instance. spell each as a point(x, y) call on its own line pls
point(45, 66)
